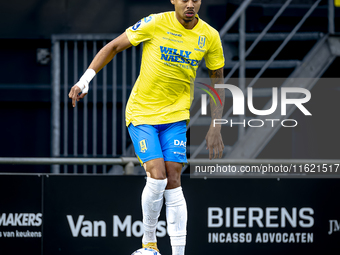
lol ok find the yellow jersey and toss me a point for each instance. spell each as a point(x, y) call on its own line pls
point(164, 89)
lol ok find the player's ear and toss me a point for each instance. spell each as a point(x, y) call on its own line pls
point(173, 2)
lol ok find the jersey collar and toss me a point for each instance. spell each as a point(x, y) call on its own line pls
point(180, 26)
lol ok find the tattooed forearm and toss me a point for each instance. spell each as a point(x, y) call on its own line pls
point(216, 74)
point(217, 77)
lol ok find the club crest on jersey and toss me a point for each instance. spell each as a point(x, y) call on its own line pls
point(147, 19)
point(143, 146)
point(137, 25)
point(201, 41)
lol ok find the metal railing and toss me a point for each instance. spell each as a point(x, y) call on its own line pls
point(134, 160)
point(304, 168)
point(243, 53)
point(115, 77)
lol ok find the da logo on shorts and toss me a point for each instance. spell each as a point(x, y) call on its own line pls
point(180, 143)
point(143, 146)
point(201, 41)
point(137, 25)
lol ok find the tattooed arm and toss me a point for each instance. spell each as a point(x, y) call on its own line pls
point(213, 138)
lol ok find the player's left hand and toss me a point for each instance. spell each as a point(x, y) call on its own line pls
point(214, 142)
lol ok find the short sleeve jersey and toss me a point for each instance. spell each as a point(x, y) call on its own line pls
point(163, 91)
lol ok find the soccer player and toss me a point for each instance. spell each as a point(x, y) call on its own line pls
point(158, 108)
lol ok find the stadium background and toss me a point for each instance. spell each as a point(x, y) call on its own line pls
point(26, 82)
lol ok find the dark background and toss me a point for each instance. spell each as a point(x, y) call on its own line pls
point(25, 90)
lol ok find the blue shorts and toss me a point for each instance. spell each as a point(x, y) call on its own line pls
point(167, 141)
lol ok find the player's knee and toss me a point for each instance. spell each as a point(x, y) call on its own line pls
point(174, 181)
point(174, 175)
point(155, 169)
point(157, 175)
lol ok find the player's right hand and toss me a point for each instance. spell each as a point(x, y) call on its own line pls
point(74, 94)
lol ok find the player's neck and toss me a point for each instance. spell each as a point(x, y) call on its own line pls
point(188, 25)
